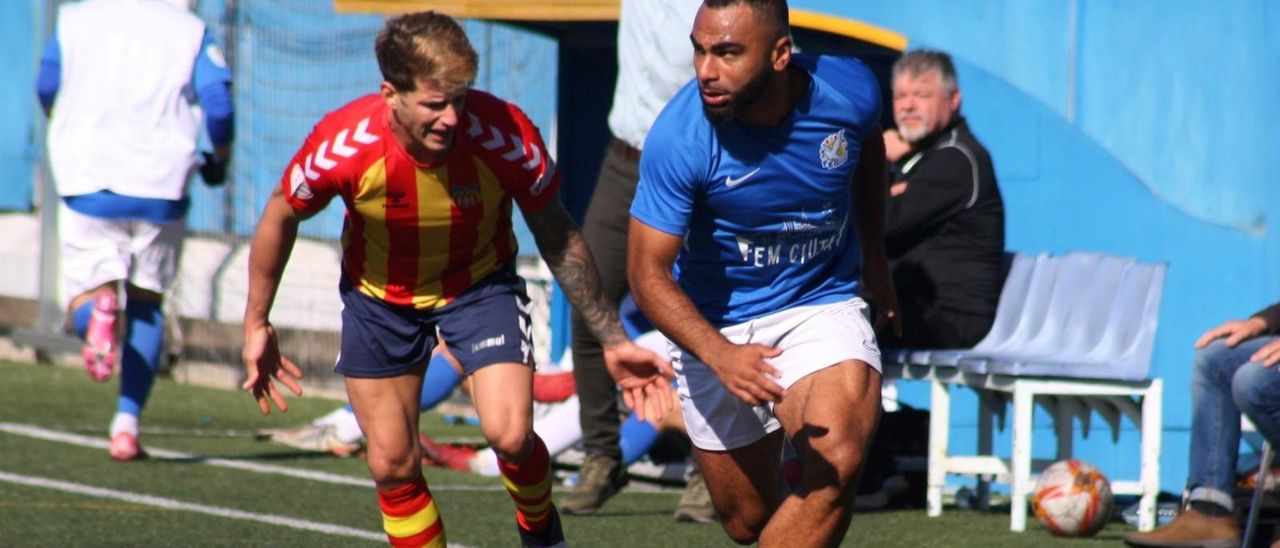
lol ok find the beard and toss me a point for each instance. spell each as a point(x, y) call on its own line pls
point(739, 101)
point(914, 133)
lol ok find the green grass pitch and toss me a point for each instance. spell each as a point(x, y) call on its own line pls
point(51, 491)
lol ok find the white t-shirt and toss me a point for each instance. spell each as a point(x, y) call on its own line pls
point(125, 119)
point(655, 59)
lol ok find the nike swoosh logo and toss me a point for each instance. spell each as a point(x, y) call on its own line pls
point(730, 182)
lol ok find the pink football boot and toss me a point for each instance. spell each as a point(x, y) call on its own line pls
point(99, 349)
point(124, 447)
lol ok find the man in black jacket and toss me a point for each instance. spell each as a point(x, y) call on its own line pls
point(944, 225)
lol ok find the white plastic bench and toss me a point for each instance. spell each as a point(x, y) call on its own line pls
point(1073, 333)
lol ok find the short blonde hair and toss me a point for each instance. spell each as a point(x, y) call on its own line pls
point(426, 45)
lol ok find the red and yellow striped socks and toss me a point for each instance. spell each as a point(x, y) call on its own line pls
point(529, 485)
point(410, 518)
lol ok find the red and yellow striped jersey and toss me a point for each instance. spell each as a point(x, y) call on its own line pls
point(416, 235)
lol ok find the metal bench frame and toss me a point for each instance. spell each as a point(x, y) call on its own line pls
point(1017, 343)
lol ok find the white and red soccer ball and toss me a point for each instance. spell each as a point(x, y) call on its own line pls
point(1072, 498)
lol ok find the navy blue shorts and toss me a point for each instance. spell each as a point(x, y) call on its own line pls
point(487, 324)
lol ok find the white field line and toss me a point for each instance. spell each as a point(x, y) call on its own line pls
point(324, 477)
point(171, 504)
point(85, 441)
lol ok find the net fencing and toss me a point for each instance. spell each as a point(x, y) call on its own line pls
point(293, 61)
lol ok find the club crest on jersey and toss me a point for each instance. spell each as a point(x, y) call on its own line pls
point(396, 200)
point(465, 195)
point(298, 184)
point(834, 150)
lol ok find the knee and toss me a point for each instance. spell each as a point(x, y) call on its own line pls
point(744, 517)
point(511, 444)
point(1253, 388)
point(392, 469)
point(835, 464)
point(1207, 358)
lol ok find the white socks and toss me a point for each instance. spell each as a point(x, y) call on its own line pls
point(557, 424)
point(344, 424)
point(124, 422)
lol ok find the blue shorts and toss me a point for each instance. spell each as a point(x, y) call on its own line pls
point(487, 324)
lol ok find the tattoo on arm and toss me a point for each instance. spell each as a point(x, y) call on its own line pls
point(566, 252)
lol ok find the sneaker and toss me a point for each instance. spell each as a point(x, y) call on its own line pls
point(99, 350)
point(550, 536)
point(553, 387)
point(599, 478)
point(1191, 528)
point(695, 502)
point(442, 455)
point(321, 438)
point(124, 447)
point(1166, 511)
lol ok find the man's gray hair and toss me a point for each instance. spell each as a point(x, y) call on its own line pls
point(918, 62)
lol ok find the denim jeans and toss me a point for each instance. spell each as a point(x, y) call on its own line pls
point(1225, 384)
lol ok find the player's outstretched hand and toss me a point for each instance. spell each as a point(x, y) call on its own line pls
point(262, 362)
point(645, 379)
point(745, 372)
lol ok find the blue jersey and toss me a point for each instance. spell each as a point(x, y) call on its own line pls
point(765, 212)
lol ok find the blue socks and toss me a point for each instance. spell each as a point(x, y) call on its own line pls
point(144, 338)
point(80, 318)
point(144, 328)
point(638, 438)
point(440, 381)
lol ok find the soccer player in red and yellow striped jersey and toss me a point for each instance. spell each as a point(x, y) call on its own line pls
point(428, 170)
point(419, 233)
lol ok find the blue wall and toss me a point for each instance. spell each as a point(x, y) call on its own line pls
point(21, 30)
point(1125, 73)
point(1108, 136)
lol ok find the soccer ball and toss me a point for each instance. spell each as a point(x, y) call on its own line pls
point(1073, 499)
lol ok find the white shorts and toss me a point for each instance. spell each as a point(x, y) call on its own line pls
point(811, 338)
point(96, 251)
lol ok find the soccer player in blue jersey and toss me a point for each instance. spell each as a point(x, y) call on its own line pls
point(755, 181)
point(121, 79)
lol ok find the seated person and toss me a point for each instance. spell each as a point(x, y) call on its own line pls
point(944, 219)
point(1234, 373)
